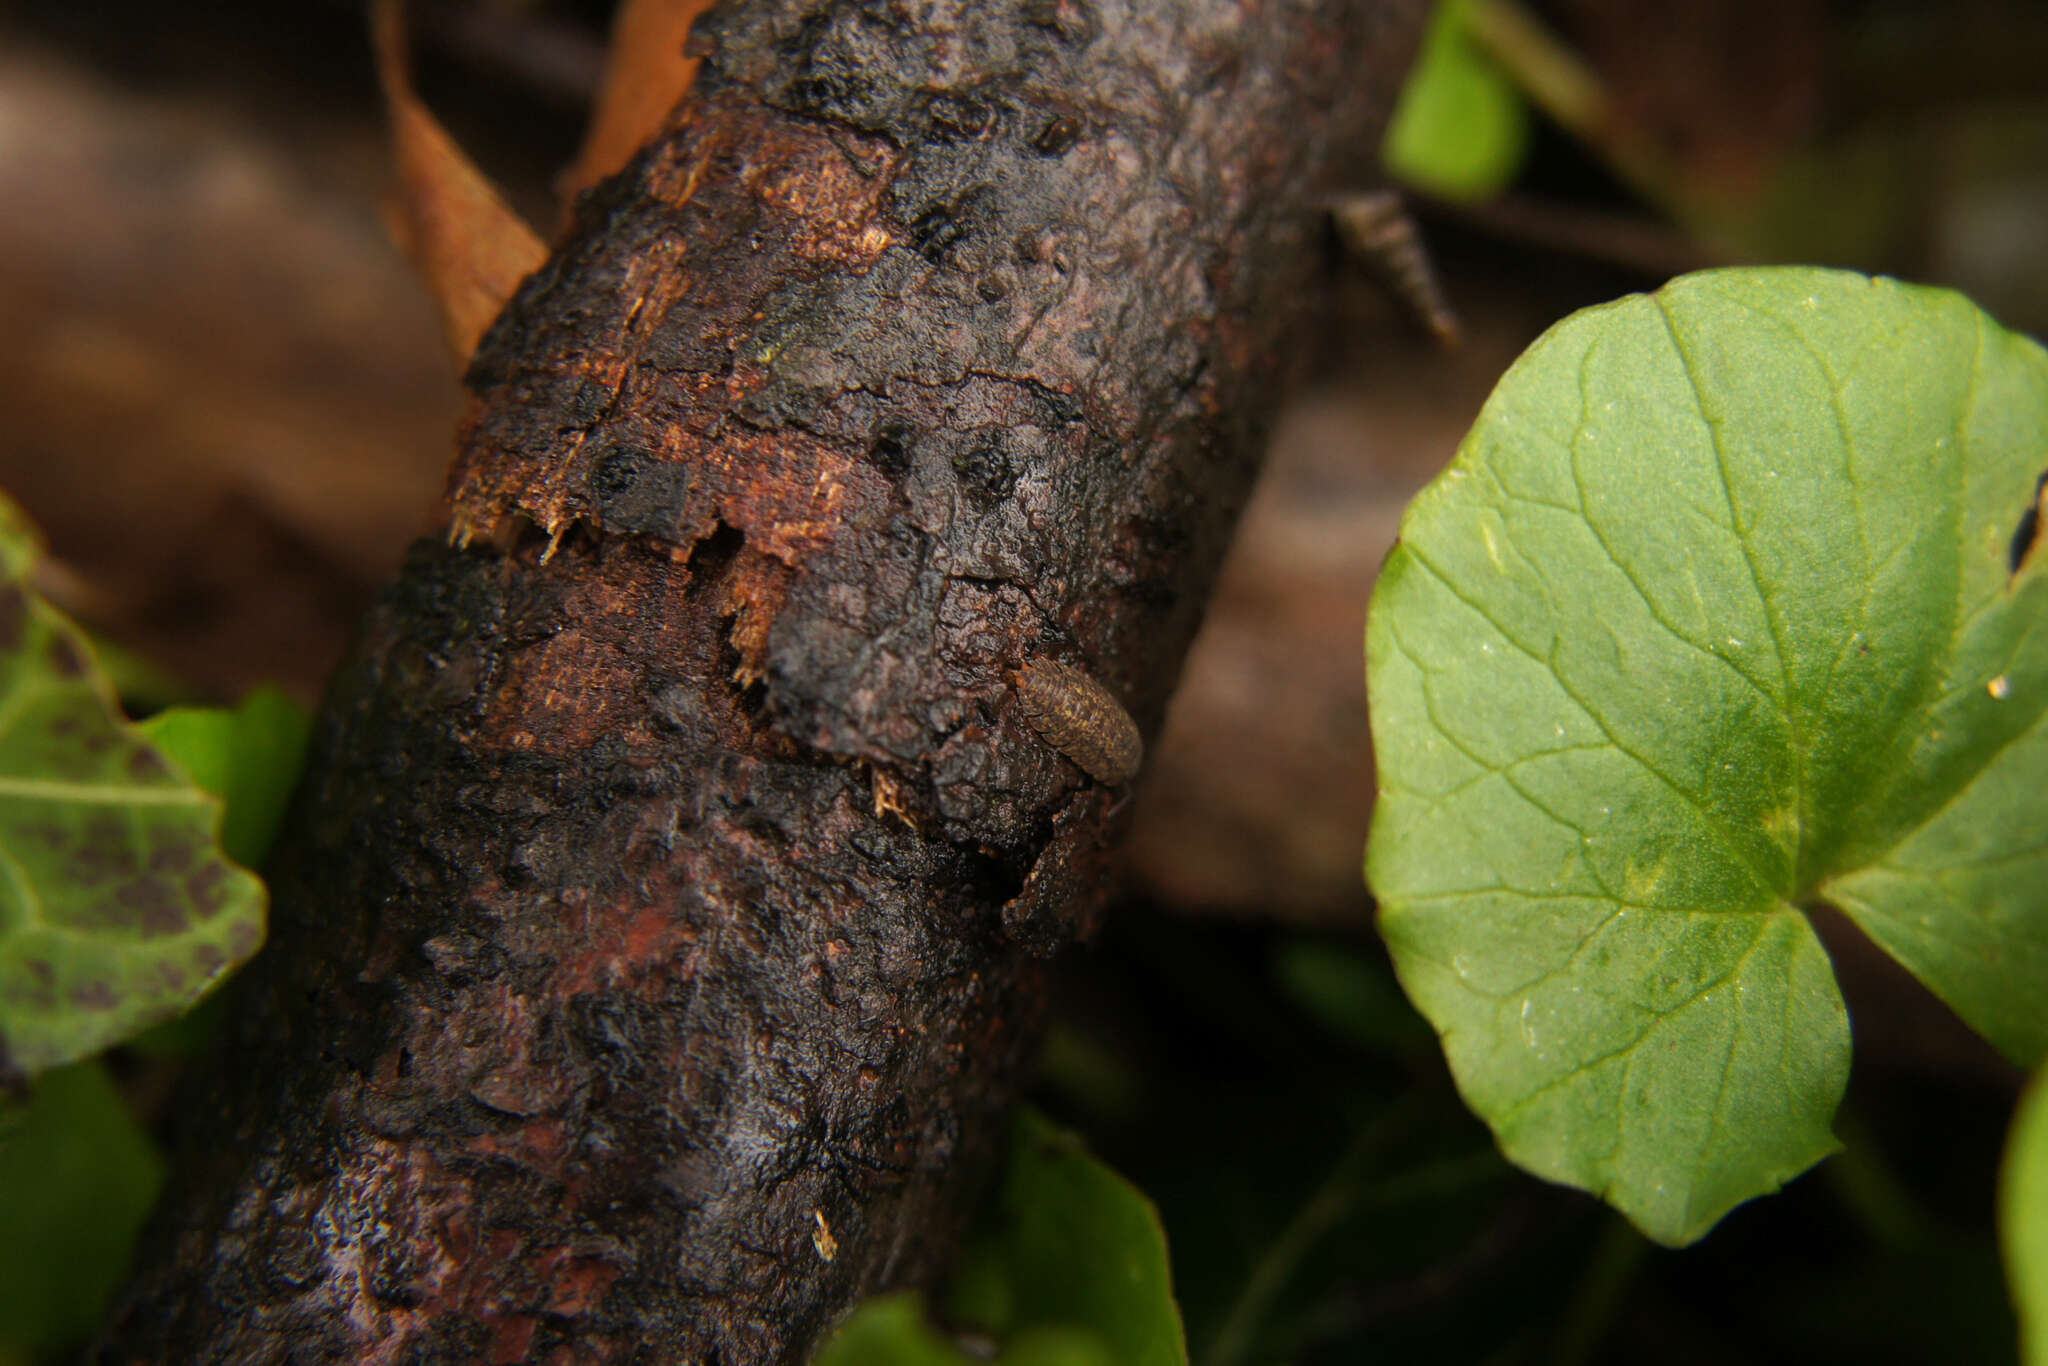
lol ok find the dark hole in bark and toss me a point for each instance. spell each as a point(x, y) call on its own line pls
point(712, 557)
point(890, 451)
point(994, 876)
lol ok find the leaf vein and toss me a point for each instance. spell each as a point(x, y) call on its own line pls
point(1777, 629)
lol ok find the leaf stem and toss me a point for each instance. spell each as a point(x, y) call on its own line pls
point(1610, 1270)
point(1320, 1213)
point(1561, 83)
point(1871, 1191)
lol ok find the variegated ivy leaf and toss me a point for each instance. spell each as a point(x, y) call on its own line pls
point(117, 907)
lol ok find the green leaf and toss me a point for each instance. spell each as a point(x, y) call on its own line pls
point(249, 756)
point(1069, 1243)
point(892, 1331)
point(117, 909)
point(2023, 1220)
point(1713, 620)
point(1066, 1267)
point(1460, 128)
point(77, 1178)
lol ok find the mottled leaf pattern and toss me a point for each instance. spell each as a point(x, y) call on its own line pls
point(248, 755)
point(117, 909)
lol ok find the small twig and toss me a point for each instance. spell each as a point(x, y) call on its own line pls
point(1632, 243)
point(559, 61)
point(562, 62)
point(1561, 84)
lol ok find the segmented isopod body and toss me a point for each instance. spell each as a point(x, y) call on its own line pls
point(1078, 717)
point(1378, 227)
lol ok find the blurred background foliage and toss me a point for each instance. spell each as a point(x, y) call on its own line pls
point(228, 407)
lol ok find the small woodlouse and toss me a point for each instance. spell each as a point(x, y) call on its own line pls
point(1378, 228)
point(1078, 717)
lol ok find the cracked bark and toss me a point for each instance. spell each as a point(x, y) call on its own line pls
point(676, 871)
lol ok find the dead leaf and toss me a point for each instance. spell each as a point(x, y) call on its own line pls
point(472, 249)
point(646, 77)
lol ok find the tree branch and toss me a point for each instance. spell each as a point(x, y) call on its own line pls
point(677, 868)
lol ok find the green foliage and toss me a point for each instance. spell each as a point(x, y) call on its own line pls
point(1713, 621)
point(116, 907)
point(892, 1331)
point(2023, 1220)
point(76, 1179)
point(249, 756)
point(1069, 1242)
point(1328, 1198)
point(77, 1175)
point(1068, 1267)
point(1460, 129)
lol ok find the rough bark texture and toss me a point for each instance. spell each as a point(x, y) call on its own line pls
point(662, 927)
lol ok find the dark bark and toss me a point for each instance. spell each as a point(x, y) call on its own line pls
point(661, 932)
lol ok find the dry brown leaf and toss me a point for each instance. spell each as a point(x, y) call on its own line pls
point(472, 249)
point(646, 77)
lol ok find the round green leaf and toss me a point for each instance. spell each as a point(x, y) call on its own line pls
point(1460, 128)
point(1066, 1266)
point(1715, 618)
point(1069, 1243)
point(117, 909)
point(2023, 1220)
point(892, 1331)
